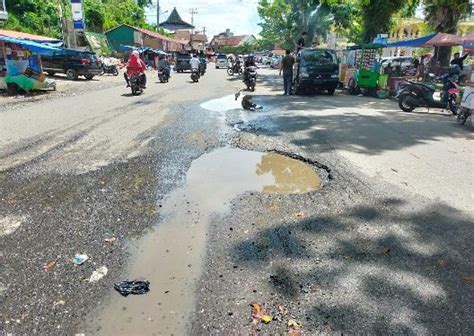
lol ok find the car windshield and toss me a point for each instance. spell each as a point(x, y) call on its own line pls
point(221, 57)
point(319, 57)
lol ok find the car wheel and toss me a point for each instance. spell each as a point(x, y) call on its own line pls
point(89, 77)
point(71, 74)
point(51, 73)
point(331, 91)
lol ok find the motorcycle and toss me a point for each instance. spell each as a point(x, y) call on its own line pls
point(163, 75)
point(413, 94)
point(110, 69)
point(136, 84)
point(235, 68)
point(250, 79)
point(467, 104)
point(195, 75)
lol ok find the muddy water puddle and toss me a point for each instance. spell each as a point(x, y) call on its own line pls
point(171, 256)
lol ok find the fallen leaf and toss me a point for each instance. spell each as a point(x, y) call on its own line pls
point(49, 265)
point(468, 278)
point(266, 319)
point(295, 327)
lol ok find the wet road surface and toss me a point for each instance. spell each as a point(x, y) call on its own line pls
point(291, 206)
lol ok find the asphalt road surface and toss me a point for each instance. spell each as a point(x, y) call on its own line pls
point(341, 213)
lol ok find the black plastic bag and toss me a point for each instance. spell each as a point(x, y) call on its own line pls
point(135, 287)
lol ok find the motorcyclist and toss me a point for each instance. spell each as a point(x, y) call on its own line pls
point(249, 62)
point(164, 64)
point(135, 65)
point(194, 61)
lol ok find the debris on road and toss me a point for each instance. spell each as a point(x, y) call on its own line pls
point(110, 240)
point(259, 314)
point(468, 278)
point(98, 274)
point(295, 327)
point(59, 303)
point(135, 287)
point(49, 265)
point(79, 259)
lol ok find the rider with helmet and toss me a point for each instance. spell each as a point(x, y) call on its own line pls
point(249, 62)
point(135, 66)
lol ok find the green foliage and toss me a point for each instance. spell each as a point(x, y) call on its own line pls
point(42, 16)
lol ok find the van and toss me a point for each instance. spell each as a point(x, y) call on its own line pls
point(316, 69)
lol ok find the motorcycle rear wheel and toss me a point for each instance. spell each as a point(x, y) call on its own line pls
point(230, 72)
point(403, 103)
point(453, 106)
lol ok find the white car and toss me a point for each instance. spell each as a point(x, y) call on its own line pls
point(276, 60)
point(222, 61)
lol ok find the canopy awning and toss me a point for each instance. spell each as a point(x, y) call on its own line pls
point(418, 42)
point(33, 46)
point(469, 41)
point(444, 40)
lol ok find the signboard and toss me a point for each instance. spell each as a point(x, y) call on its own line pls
point(3, 10)
point(78, 14)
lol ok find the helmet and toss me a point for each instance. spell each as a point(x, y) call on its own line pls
point(136, 53)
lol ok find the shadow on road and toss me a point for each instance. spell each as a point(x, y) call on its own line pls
point(380, 269)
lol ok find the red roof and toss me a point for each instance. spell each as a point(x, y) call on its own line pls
point(25, 36)
point(157, 35)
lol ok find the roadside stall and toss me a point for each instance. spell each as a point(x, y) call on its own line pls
point(363, 71)
point(20, 66)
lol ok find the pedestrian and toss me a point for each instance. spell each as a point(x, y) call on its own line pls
point(286, 67)
point(301, 42)
point(457, 60)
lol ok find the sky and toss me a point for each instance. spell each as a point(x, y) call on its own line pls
point(240, 16)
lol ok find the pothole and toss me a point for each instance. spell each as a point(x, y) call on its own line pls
point(171, 256)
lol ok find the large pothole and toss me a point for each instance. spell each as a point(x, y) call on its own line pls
point(171, 256)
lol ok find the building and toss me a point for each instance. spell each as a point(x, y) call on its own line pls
point(29, 37)
point(125, 35)
point(229, 40)
point(3, 11)
point(175, 22)
point(194, 41)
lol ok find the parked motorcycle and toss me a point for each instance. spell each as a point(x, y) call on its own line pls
point(413, 94)
point(136, 84)
point(250, 79)
point(110, 69)
point(467, 104)
point(195, 75)
point(163, 75)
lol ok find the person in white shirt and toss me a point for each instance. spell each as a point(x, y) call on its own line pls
point(194, 63)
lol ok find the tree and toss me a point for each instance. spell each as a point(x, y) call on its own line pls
point(444, 16)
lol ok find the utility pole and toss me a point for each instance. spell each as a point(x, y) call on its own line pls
point(204, 30)
point(193, 11)
point(157, 14)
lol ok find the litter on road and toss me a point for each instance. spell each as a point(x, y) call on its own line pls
point(135, 287)
point(98, 274)
point(79, 259)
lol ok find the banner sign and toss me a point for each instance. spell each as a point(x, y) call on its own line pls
point(78, 14)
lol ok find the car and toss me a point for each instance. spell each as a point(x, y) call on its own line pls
point(316, 69)
point(275, 62)
point(267, 59)
point(404, 62)
point(73, 63)
point(222, 61)
point(183, 62)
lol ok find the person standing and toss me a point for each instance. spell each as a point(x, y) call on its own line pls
point(301, 44)
point(286, 67)
point(457, 60)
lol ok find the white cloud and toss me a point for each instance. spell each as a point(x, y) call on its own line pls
point(240, 16)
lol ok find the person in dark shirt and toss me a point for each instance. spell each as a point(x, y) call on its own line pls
point(286, 67)
point(457, 60)
point(301, 42)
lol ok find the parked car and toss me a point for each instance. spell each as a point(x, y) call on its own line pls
point(222, 61)
point(275, 62)
point(73, 63)
point(183, 62)
point(267, 59)
point(405, 62)
point(316, 69)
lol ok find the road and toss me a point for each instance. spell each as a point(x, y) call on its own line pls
point(340, 212)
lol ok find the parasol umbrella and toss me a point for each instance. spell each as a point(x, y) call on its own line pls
point(444, 40)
